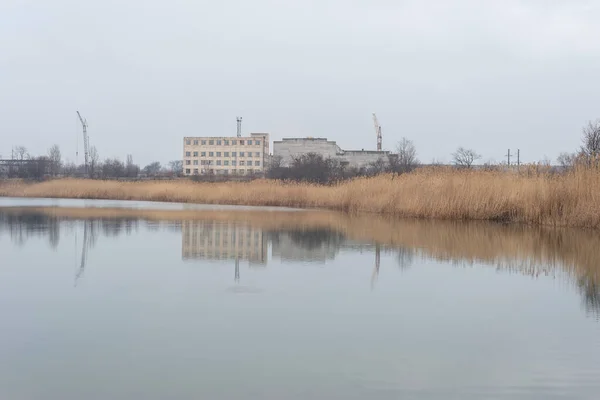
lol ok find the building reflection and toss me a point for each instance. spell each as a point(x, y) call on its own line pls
point(214, 240)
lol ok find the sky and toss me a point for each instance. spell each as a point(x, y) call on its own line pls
point(487, 75)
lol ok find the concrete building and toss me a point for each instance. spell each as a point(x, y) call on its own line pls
point(289, 148)
point(225, 155)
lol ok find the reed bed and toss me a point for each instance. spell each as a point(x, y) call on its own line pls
point(532, 197)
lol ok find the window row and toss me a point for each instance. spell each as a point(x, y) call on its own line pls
point(188, 171)
point(223, 162)
point(223, 142)
point(225, 154)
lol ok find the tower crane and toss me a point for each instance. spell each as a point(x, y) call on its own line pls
point(377, 131)
point(86, 144)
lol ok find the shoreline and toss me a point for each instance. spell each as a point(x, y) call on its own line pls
point(567, 200)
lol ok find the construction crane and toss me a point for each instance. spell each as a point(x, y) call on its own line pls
point(377, 131)
point(239, 126)
point(86, 144)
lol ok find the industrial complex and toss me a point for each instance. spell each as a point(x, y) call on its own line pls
point(237, 155)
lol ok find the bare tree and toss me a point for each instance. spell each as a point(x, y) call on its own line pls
point(131, 170)
point(93, 161)
point(407, 155)
point(55, 158)
point(591, 139)
point(21, 152)
point(566, 160)
point(152, 169)
point(465, 157)
point(176, 167)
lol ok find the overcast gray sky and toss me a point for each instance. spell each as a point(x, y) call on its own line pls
point(483, 74)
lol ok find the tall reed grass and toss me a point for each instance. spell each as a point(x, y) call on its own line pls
point(530, 196)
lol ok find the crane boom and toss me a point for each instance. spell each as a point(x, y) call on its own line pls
point(86, 149)
point(377, 131)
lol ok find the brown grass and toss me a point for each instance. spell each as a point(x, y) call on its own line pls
point(527, 250)
point(528, 197)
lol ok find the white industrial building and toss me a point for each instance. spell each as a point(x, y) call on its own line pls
point(289, 148)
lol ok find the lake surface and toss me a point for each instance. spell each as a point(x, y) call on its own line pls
point(256, 304)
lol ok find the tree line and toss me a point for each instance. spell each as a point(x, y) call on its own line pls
point(24, 165)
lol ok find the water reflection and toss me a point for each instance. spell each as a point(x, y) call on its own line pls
point(255, 238)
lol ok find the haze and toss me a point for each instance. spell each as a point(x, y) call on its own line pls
point(486, 75)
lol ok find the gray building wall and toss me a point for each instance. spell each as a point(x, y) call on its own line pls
point(287, 149)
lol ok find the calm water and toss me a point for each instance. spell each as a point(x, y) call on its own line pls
point(132, 308)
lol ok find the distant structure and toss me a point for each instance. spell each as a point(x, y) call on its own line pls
point(289, 148)
point(86, 142)
point(226, 155)
point(377, 132)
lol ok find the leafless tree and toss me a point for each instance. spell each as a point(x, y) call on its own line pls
point(591, 139)
point(55, 158)
point(407, 155)
point(153, 168)
point(93, 160)
point(566, 160)
point(176, 167)
point(131, 170)
point(465, 157)
point(21, 152)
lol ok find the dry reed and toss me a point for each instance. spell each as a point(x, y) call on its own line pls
point(530, 197)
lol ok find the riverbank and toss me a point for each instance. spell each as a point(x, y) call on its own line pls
point(571, 199)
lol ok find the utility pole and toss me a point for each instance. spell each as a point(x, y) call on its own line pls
point(508, 155)
point(518, 157)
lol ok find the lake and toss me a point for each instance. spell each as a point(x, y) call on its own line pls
point(104, 300)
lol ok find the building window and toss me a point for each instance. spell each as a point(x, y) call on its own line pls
point(211, 142)
point(203, 162)
point(257, 142)
point(203, 154)
point(234, 163)
point(241, 142)
point(241, 162)
point(211, 154)
point(234, 142)
point(257, 163)
point(225, 154)
point(257, 154)
point(249, 154)
point(204, 143)
point(195, 171)
point(225, 172)
point(226, 142)
point(250, 171)
point(195, 154)
point(218, 162)
point(218, 142)
point(188, 153)
point(195, 143)
point(233, 154)
point(226, 162)
point(188, 162)
point(218, 154)
point(195, 162)
point(187, 171)
point(188, 142)
point(241, 154)
point(233, 171)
